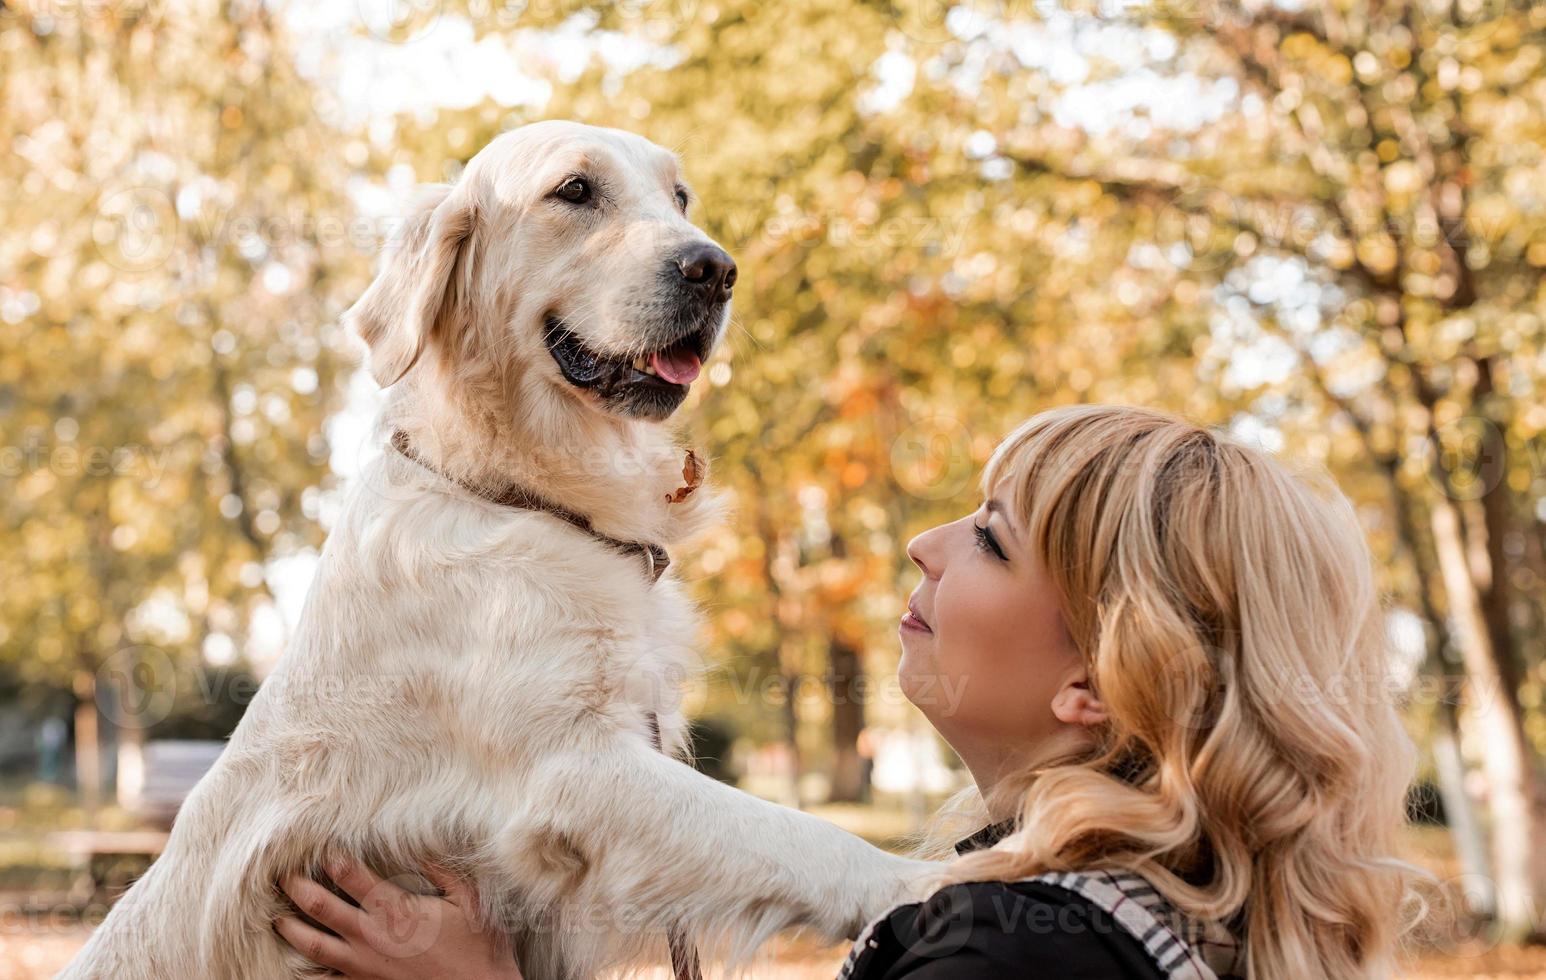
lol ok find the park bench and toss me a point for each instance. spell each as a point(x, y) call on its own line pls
point(153, 780)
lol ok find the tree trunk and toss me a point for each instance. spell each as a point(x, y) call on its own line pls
point(1498, 527)
point(88, 749)
point(790, 677)
point(843, 671)
point(1460, 816)
point(1465, 829)
point(783, 595)
point(1513, 785)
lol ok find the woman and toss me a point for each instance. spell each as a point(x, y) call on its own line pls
point(1172, 699)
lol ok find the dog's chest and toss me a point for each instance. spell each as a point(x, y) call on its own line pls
point(659, 651)
point(510, 607)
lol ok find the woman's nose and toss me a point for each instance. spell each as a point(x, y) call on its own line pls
point(921, 550)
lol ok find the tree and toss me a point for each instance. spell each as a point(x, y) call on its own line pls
point(1377, 156)
point(182, 246)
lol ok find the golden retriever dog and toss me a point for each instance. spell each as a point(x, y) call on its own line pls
point(489, 653)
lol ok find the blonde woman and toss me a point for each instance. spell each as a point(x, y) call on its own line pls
point(1174, 707)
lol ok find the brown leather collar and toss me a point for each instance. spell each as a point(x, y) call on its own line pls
point(653, 557)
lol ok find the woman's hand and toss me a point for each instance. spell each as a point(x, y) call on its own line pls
point(394, 934)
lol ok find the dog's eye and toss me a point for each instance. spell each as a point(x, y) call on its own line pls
point(575, 190)
point(682, 199)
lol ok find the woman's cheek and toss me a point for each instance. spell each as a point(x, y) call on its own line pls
point(956, 642)
point(985, 648)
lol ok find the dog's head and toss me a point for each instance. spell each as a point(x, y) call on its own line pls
point(563, 257)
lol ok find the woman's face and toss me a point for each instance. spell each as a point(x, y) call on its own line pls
point(985, 655)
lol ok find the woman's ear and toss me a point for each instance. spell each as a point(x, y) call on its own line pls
point(422, 288)
point(1076, 703)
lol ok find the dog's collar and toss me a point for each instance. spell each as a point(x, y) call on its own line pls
point(652, 556)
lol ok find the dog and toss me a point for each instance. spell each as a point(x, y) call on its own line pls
point(491, 649)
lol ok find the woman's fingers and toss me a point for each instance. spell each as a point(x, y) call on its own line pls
point(361, 883)
point(456, 890)
point(314, 944)
point(321, 905)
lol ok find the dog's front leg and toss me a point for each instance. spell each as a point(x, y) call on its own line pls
point(629, 833)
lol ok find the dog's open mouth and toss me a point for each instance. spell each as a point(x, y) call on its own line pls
point(650, 384)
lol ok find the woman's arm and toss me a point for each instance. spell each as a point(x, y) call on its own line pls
point(394, 934)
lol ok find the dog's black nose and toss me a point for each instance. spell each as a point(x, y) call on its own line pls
point(708, 267)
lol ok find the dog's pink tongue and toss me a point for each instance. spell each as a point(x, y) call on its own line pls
point(677, 365)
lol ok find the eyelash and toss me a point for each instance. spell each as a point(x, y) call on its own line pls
point(588, 188)
point(986, 542)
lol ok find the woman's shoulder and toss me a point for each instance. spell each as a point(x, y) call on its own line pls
point(1000, 929)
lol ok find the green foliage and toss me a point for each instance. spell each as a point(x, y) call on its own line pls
point(179, 249)
point(923, 265)
point(937, 235)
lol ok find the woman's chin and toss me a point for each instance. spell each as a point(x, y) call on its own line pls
point(910, 672)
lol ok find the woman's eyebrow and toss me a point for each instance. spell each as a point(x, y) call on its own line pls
point(994, 507)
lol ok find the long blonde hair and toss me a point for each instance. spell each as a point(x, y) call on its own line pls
point(1254, 767)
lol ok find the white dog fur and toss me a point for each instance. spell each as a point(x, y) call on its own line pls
point(470, 683)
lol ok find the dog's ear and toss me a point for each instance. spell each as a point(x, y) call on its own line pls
point(424, 287)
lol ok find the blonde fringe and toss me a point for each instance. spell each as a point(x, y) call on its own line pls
point(1255, 767)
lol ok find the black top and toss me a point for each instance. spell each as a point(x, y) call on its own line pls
point(990, 930)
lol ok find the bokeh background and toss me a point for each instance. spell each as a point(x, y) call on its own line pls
point(1321, 227)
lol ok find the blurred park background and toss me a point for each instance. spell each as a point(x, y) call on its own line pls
point(1322, 227)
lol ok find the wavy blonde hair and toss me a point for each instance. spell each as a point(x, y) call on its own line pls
point(1254, 767)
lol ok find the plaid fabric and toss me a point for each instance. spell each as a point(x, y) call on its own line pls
point(1183, 947)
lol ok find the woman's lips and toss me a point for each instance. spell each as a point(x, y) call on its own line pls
point(912, 621)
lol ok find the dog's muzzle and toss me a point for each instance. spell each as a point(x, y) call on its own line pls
point(677, 334)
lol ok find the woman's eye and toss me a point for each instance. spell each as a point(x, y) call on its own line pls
point(575, 190)
point(681, 199)
point(987, 542)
